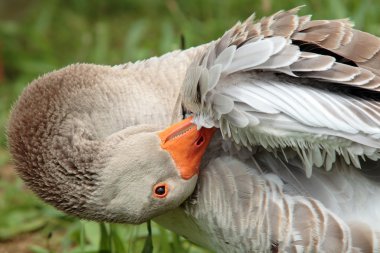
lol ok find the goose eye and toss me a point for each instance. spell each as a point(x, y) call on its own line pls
point(160, 190)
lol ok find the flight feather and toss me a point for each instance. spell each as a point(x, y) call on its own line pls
point(290, 82)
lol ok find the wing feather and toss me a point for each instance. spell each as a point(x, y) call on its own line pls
point(316, 63)
point(283, 82)
point(251, 55)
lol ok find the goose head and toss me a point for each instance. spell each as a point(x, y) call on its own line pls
point(153, 172)
point(83, 142)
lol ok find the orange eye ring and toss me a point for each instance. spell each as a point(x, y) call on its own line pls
point(160, 190)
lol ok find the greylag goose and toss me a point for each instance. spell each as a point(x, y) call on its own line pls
point(293, 167)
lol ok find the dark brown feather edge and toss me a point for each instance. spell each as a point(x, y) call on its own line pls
point(360, 51)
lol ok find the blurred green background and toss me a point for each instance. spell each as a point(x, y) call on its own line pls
point(39, 36)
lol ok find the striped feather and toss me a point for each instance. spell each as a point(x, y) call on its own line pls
point(243, 209)
point(270, 84)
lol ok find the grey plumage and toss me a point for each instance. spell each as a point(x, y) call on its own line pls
point(265, 204)
point(264, 216)
point(306, 91)
point(261, 86)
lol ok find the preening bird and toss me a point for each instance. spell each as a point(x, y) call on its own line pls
point(288, 107)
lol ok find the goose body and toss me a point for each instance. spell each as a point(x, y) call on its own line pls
point(294, 167)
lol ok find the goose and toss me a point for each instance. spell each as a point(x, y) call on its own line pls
point(280, 153)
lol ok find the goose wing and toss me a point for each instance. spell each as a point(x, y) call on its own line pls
point(289, 82)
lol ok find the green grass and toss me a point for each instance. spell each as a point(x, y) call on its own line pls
point(39, 36)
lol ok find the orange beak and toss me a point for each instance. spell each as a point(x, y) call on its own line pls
point(186, 145)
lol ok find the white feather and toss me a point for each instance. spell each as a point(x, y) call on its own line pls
point(225, 57)
point(250, 55)
point(282, 59)
point(222, 104)
point(255, 107)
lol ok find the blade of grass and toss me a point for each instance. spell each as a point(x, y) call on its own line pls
point(92, 232)
point(148, 246)
point(164, 243)
point(177, 244)
point(104, 245)
point(82, 236)
point(38, 249)
point(8, 233)
point(117, 241)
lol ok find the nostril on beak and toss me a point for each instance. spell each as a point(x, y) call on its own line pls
point(200, 141)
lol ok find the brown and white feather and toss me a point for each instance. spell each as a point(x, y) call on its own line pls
point(287, 81)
